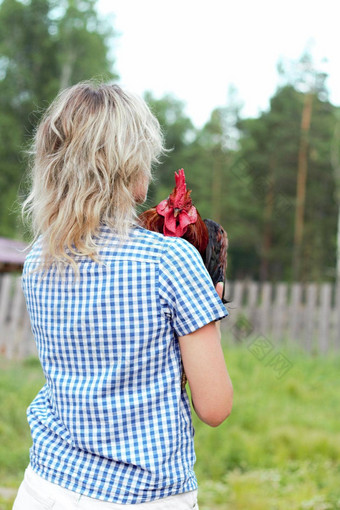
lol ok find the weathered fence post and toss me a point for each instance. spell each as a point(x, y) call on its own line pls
point(15, 331)
point(5, 299)
point(251, 310)
point(295, 311)
point(266, 292)
point(337, 317)
point(325, 308)
point(279, 312)
point(310, 315)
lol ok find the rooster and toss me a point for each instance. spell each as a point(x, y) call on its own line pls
point(177, 216)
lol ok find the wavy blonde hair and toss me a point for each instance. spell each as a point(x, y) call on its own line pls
point(92, 149)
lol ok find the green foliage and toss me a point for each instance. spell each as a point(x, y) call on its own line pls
point(178, 130)
point(279, 448)
point(243, 173)
point(45, 46)
point(270, 148)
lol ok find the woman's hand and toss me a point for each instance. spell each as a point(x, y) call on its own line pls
point(219, 289)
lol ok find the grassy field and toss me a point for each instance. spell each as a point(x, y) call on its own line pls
point(279, 449)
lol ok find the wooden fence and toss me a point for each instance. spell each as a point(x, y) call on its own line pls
point(304, 314)
point(16, 339)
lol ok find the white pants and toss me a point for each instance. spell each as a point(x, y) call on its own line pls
point(36, 493)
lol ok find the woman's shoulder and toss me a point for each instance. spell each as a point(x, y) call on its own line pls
point(141, 243)
point(148, 235)
point(34, 251)
point(168, 245)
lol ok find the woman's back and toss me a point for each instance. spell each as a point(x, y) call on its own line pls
point(112, 421)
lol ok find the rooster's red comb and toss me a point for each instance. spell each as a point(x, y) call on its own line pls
point(180, 180)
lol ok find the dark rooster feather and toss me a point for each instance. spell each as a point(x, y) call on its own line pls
point(177, 216)
point(215, 257)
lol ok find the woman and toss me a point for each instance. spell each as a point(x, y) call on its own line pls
point(113, 309)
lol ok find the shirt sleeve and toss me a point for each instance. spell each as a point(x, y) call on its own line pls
point(187, 293)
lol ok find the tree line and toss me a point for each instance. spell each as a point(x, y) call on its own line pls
point(272, 181)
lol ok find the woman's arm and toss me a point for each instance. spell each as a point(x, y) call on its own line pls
point(204, 365)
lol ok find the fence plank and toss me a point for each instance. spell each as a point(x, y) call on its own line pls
point(337, 317)
point(266, 293)
point(15, 320)
point(238, 293)
point(5, 292)
point(310, 315)
point(295, 311)
point(5, 299)
point(325, 309)
point(279, 312)
point(237, 299)
point(251, 312)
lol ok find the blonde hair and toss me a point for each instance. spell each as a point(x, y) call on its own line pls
point(93, 146)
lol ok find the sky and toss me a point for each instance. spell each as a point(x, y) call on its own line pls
point(196, 49)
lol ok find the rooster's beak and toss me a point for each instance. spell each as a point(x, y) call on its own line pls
point(176, 211)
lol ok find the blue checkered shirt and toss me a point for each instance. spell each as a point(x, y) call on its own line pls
point(112, 421)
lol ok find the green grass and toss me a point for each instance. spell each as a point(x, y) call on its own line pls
point(19, 383)
point(279, 449)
